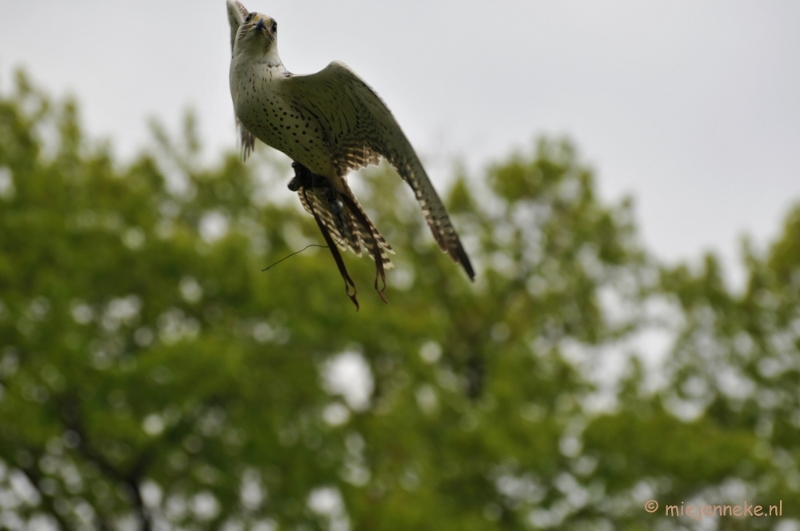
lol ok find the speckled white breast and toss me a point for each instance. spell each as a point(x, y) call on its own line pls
point(277, 123)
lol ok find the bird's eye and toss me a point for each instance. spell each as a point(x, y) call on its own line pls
point(249, 17)
point(274, 27)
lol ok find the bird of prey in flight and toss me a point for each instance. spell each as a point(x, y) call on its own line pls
point(328, 123)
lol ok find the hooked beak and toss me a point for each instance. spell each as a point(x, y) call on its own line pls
point(261, 25)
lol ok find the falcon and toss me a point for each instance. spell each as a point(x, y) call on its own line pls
point(329, 123)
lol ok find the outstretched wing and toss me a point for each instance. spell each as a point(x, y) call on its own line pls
point(236, 15)
point(361, 129)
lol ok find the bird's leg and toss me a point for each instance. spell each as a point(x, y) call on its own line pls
point(305, 178)
point(318, 182)
point(336, 205)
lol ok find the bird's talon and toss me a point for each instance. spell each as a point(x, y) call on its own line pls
point(302, 177)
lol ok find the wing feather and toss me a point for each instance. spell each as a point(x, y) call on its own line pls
point(236, 15)
point(362, 129)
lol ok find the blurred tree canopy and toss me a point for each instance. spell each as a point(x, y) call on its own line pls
point(152, 377)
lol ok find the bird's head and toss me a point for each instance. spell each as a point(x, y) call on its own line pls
point(258, 36)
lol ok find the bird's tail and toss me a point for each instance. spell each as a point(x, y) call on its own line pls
point(348, 224)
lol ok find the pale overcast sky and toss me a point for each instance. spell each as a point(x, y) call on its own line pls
point(691, 106)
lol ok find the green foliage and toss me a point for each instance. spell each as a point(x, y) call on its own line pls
point(151, 373)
